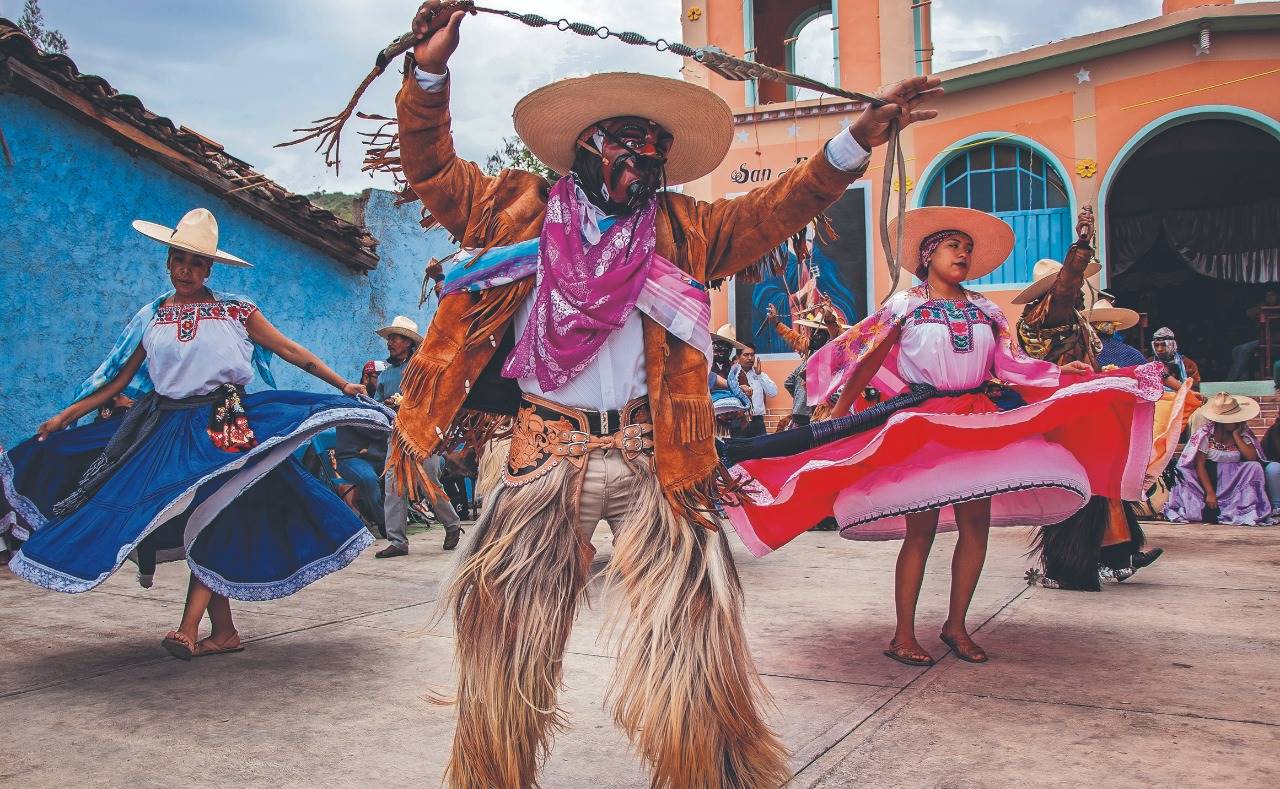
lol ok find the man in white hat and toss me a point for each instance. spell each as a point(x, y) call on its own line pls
point(587, 319)
point(402, 341)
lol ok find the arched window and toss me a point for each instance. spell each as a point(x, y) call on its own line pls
point(1017, 184)
point(811, 51)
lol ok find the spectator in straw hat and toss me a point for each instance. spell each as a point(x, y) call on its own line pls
point(402, 341)
point(1222, 478)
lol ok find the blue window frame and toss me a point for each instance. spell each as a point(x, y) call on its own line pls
point(1017, 184)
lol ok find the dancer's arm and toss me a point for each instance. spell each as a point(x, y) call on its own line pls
point(93, 402)
point(1247, 450)
point(1070, 280)
point(263, 333)
point(1206, 482)
point(865, 372)
point(448, 186)
point(742, 230)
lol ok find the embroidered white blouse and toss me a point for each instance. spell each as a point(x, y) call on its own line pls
point(949, 344)
point(193, 349)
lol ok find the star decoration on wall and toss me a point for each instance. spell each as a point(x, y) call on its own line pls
point(793, 130)
point(1082, 76)
point(846, 123)
point(743, 136)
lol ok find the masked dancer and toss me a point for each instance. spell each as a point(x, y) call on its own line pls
point(586, 315)
point(196, 464)
point(1024, 453)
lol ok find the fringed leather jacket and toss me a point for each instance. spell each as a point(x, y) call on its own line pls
point(454, 378)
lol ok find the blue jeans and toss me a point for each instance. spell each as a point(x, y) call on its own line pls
point(365, 477)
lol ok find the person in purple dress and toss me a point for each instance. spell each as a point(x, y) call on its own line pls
point(1221, 470)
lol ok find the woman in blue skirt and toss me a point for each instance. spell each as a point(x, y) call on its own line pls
point(196, 464)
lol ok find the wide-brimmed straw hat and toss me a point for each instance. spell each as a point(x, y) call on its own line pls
point(551, 118)
point(728, 333)
point(405, 327)
point(1104, 311)
point(992, 238)
point(1228, 409)
point(1042, 277)
point(819, 324)
point(197, 232)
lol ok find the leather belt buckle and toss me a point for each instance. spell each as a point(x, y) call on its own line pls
point(578, 443)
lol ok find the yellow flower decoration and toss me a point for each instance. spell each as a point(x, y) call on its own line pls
point(1086, 168)
point(911, 184)
point(694, 14)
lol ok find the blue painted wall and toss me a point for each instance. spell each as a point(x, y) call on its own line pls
point(72, 270)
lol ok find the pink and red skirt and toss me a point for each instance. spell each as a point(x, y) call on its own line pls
point(1038, 463)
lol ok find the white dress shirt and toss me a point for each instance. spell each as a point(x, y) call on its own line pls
point(762, 386)
point(617, 374)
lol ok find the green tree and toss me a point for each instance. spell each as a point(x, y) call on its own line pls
point(513, 153)
point(32, 23)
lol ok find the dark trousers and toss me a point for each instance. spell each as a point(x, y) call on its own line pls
point(754, 428)
point(455, 487)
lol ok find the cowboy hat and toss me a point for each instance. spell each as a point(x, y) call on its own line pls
point(1104, 311)
point(728, 333)
point(1042, 276)
point(197, 232)
point(819, 325)
point(1229, 409)
point(405, 327)
point(992, 238)
point(551, 118)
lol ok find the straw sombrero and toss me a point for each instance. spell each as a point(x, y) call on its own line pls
point(197, 232)
point(728, 333)
point(992, 238)
point(550, 119)
point(1104, 311)
point(1229, 409)
point(405, 327)
point(1042, 277)
point(819, 325)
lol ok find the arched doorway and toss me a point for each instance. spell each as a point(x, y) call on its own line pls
point(1193, 236)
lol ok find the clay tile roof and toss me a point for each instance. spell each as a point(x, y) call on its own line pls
point(55, 80)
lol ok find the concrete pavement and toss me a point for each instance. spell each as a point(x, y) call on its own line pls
point(1170, 678)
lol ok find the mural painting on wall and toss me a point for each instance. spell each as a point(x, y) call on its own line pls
point(838, 263)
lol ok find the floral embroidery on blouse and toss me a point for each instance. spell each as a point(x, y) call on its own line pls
point(958, 317)
point(187, 317)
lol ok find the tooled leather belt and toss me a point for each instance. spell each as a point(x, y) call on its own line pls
point(547, 434)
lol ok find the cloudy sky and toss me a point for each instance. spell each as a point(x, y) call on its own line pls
point(245, 72)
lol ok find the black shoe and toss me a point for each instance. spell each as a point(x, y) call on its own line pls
point(391, 551)
point(1145, 558)
point(451, 537)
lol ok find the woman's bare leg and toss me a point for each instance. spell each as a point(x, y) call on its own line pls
point(973, 520)
point(220, 617)
point(198, 598)
point(909, 574)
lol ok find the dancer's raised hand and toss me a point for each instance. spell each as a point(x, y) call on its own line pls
point(436, 25)
point(871, 128)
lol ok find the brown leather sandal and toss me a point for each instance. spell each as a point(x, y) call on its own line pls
point(207, 646)
point(908, 656)
point(970, 653)
point(177, 644)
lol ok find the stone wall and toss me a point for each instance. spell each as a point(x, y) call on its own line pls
point(72, 270)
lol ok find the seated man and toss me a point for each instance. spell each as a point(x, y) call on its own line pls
point(1242, 354)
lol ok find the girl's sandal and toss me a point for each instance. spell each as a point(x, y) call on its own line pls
point(908, 656)
point(177, 644)
point(971, 653)
point(207, 646)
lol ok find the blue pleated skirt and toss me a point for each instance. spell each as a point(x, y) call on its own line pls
point(254, 525)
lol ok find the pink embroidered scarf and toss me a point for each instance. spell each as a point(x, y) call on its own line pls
point(581, 294)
